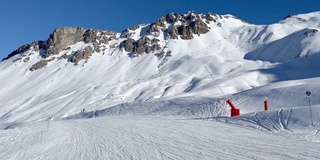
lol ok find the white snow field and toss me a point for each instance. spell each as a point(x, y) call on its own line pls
point(149, 137)
point(148, 107)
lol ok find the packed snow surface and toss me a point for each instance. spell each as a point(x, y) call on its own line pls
point(172, 107)
point(127, 137)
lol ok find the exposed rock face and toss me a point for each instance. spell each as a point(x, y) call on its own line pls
point(128, 45)
point(158, 25)
point(199, 27)
point(39, 65)
point(61, 38)
point(193, 24)
point(39, 45)
point(185, 32)
point(189, 24)
point(36, 46)
point(143, 41)
point(17, 59)
point(172, 26)
point(209, 17)
point(133, 28)
point(26, 59)
point(78, 56)
point(98, 36)
point(173, 33)
point(173, 17)
point(90, 36)
point(127, 33)
point(143, 45)
point(20, 50)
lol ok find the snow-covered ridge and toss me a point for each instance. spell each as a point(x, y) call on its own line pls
point(146, 93)
point(154, 37)
point(80, 68)
point(310, 20)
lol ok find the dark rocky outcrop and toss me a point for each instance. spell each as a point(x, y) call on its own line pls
point(17, 59)
point(127, 32)
point(173, 33)
point(172, 17)
point(90, 36)
point(160, 25)
point(160, 54)
point(39, 45)
point(81, 55)
point(157, 26)
point(98, 36)
point(128, 45)
point(133, 28)
point(185, 32)
point(20, 50)
point(199, 27)
point(26, 59)
point(36, 46)
point(172, 26)
point(142, 45)
point(61, 38)
point(190, 23)
point(209, 18)
point(191, 16)
point(143, 41)
point(38, 65)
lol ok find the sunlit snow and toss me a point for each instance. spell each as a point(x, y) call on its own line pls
point(171, 108)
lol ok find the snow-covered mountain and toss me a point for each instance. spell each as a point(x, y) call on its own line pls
point(158, 91)
point(80, 68)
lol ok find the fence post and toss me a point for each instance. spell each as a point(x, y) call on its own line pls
point(266, 104)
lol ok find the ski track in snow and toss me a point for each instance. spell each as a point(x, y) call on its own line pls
point(138, 137)
point(249, 62)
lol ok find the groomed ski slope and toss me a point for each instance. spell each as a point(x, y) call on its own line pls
point(249, 136)
point(151, 108)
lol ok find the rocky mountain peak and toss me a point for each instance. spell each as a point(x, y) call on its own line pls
point(38, 46)
point(136, 40)
point(61, 38)
point(98, 36)
point(183, 26)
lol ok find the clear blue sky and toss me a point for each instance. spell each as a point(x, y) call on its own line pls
point(24, 21)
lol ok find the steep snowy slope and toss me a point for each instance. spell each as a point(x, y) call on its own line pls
point(93, 70)
point(299, 44)
point(147, 94)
